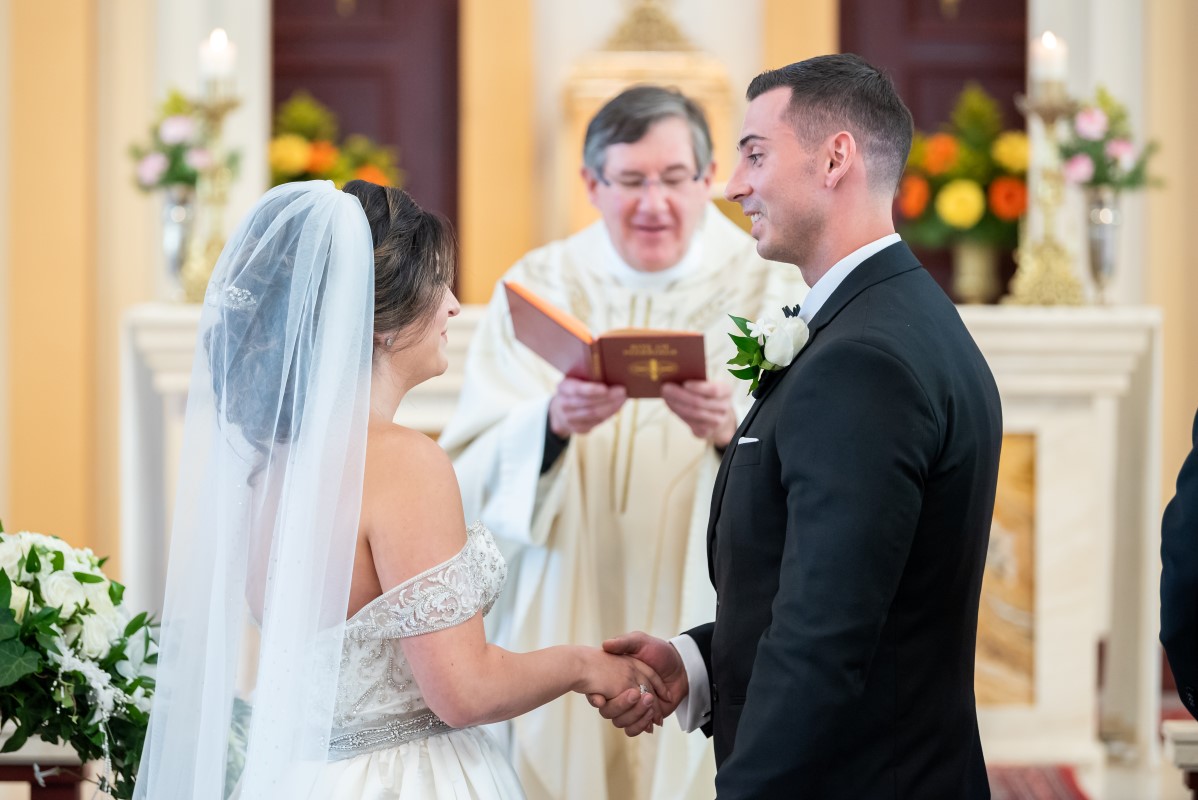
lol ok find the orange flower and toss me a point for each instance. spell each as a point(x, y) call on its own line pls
point(940, 153)
point(913, 196)
point(1008, 198)
point(321, 157)
point(369, 172)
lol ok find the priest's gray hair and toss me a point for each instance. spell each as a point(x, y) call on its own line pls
point(627, 117)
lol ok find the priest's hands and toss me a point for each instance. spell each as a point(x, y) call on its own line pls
point(631, 711)
point(579, 406)
point(705, 406)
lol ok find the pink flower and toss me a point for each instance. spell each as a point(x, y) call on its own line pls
point(1079, 169)
point(151, 168)
point(198, 158)
point(176, 130)
point(1090, 123)
point(1124, 153)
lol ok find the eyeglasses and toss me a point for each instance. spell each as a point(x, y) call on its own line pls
point(673, 181)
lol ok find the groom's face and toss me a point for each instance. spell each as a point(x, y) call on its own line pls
point(776, 181)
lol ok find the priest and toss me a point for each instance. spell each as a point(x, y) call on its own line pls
point(599, 501)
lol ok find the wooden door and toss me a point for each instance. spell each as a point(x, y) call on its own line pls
point(389, 70)
point(932, 48)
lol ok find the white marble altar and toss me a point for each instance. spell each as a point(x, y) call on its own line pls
point(1082, 385)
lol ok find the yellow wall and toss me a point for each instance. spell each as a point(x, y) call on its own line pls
point(6, 82)
point(793, 31)
point(498, 204)
point(1172, 283)
point(51, 287)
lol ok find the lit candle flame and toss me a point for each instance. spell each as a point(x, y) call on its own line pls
point(219, 40)
point(1049, 39)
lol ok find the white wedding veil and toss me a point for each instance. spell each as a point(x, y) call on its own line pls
point(267, 505)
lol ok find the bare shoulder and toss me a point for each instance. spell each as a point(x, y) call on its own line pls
point(411, 504)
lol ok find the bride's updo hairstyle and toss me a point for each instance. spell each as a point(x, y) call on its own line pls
point(414, 258)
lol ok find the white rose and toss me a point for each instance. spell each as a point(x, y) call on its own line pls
point(20, 598)
point(11, 553)
point(137, 651)
point(786, 342)
point(61, 590)
point(100, 602)
point(97, 636)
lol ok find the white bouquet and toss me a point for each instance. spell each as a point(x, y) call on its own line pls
point(75, 665)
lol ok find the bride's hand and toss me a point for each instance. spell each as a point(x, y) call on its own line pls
point(612, 675)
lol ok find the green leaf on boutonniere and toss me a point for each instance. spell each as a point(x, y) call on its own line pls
point(746, 374)
point(742, 359)
point(741, 323)
point(5, 590)
point(87, 577)
point(745, 343)
point(58, 561)
point(32, 562)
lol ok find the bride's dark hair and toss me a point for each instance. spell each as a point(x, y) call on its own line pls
point(414, 260)
point(414, 264)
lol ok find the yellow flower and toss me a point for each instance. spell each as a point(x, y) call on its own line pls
point(1010, 151)
point(961, 203)
point(289, 154)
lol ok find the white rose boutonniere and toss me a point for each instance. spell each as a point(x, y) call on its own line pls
point(766, 345)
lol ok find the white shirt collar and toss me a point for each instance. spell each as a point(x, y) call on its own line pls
point(831, 279)
point(636, 279)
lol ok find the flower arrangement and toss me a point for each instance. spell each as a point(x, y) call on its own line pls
point(75, 666)
point(177, 152)
point(967, 183)
point(303, 148)
point(766, 345)
point(1098, 151)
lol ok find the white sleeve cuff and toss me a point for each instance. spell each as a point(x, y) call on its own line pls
point(695, 709)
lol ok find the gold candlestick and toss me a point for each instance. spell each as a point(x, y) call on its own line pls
point(212, 193)
point(1045, 275)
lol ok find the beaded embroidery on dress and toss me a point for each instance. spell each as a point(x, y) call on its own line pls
point(384, 734)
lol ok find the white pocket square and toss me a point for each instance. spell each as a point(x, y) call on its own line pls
point(746, 440)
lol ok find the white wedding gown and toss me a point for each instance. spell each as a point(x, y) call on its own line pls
point(386, 743)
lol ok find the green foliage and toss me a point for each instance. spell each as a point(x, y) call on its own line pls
point(304, 115)
point(55, 699)
point(976, 118)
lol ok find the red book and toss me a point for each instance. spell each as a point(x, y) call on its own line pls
point(639, 359)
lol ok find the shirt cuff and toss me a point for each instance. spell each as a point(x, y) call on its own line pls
point(695, 709)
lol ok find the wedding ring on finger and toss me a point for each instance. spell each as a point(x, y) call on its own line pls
point(644, 689)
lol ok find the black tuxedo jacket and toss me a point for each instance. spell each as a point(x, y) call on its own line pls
point(846, 546)
point(1179, 580)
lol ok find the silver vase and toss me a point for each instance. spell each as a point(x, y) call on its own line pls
point(1103, 227)
point(178, 216)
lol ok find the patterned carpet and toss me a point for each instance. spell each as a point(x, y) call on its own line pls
point(1034, 783)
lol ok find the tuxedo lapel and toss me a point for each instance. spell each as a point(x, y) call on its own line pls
point(885, 264)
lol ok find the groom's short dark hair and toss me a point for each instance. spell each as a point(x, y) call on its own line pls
point(844, 92)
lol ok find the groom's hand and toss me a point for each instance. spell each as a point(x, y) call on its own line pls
point(628, 711)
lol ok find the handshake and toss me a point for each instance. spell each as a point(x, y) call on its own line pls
point(662, 684)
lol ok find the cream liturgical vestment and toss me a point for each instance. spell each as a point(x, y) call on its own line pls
point(612, 537)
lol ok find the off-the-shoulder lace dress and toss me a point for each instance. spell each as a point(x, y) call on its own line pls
point(386, 743)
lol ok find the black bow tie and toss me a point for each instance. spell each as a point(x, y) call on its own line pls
point(790, 311)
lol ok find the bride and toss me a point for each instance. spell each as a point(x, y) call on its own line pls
point(322, 632)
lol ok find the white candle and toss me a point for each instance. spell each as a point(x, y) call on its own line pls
point(218, 56)
point(1049, 58)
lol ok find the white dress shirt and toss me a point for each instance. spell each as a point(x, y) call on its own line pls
point(695, 709)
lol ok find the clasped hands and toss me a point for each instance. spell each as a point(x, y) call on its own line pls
point(634, 711)
point(705, 407)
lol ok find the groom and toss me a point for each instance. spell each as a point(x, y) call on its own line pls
point(850, 518)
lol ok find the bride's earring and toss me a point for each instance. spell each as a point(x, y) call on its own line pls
point(390, 340)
